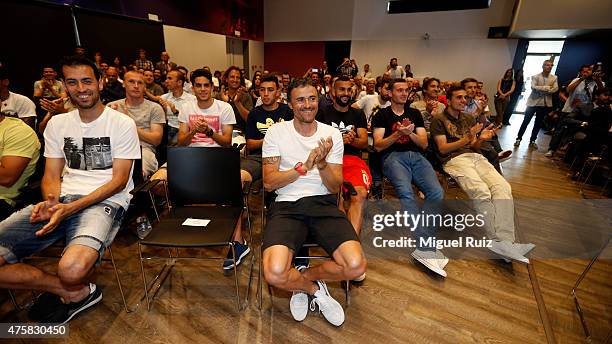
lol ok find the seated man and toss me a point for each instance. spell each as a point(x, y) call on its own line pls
point(19, 153)
point(173, 101)
point(458, 137)
point(352, 124)
point(577, 120)
point(208, 122)
point(48, 88)
point(112, 88)
point(302, 161)
point(152, 90)
point(429, 106)
point(400, 137)
point(149, 118)
point(260, 119)
point(87, 182)
point(14, 104)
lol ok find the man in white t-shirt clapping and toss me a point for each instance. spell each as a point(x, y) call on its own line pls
point(302, 162)
point(86, 186)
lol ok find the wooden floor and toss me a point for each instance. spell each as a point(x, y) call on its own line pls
point(481, 301)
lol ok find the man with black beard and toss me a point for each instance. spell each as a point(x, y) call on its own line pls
point(353, 126)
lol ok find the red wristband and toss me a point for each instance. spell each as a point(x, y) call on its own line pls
point(299, 169)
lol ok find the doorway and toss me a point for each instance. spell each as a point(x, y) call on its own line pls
point(537, 53)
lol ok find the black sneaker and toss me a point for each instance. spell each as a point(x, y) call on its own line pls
point(65, 312)
point(46, 306)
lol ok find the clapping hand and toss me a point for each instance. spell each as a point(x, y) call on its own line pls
point(325, 146)
point(487, 133)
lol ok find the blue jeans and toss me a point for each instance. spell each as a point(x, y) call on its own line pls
point(404, 168)
point(539, 112)
point(94, 227)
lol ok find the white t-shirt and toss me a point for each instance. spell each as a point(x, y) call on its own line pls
point(18, 105)
point(283, 140)
point(89, 150)
point(179, 103)
point(218, 114)
point(364, 93)
point(370, 104)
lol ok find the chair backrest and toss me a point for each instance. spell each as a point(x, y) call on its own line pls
point(204, 175)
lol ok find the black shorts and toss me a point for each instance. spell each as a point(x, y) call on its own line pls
point(252, 164)
point(316, 217)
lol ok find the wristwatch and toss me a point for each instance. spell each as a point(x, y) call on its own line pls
point(299, 168)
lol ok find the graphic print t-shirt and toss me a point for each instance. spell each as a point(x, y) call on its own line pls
point(345, 122)
point(89, 150)
point(218, 114)
point(388, 120)
point(260, 120)
point(370, 104)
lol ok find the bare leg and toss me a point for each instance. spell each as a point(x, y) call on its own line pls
point(349, 263)
point(355, 210)
point(279, 271)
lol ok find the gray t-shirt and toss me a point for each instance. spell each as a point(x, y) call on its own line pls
point(143, 115)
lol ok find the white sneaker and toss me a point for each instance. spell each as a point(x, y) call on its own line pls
point(508, 251)
point(549, 154)
point(298, 305)
point(442, 260)
point(331, 309)
point(523, 248)
point(428, 258)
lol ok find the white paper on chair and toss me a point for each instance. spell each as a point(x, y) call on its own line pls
point(196, 222)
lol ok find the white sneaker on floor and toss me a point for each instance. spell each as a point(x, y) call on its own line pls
point(331, 309)
point(298, 304)
point(507, 251)
point(442, 260)
point(549, 154)
point(524, 248)
point(428, 258)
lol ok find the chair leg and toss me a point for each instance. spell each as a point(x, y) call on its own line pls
point(110, 252)
point(235, 276)
point(347, 293)
point(144, 278)
point(259, 281)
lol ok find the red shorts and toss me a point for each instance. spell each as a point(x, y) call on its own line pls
point(356, 171)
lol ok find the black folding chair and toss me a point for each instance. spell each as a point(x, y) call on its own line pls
point(203, 183)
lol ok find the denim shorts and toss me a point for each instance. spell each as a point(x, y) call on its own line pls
point(94, 226)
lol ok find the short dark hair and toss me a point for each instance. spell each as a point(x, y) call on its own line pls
point(201, 73)
point(428, 81)
point(341, 78)
point(395, 81)
point(466, 80)
point(77, 60)
point(270, 78)
point(381, 83)
point(453, 89)
point(585, 66)
point(298, 83)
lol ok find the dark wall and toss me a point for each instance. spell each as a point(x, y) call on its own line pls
point(293, 57)
point(114, 35)
point(34, 36)
point(217, 16)
point(335, 52)
point(578, 52)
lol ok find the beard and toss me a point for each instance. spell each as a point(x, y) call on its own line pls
point(341, 102)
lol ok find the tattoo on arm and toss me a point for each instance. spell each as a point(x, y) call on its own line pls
point(271, 160)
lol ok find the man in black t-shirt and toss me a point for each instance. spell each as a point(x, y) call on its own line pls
point(400, 136)
point(260, 119)
point(353, 125)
